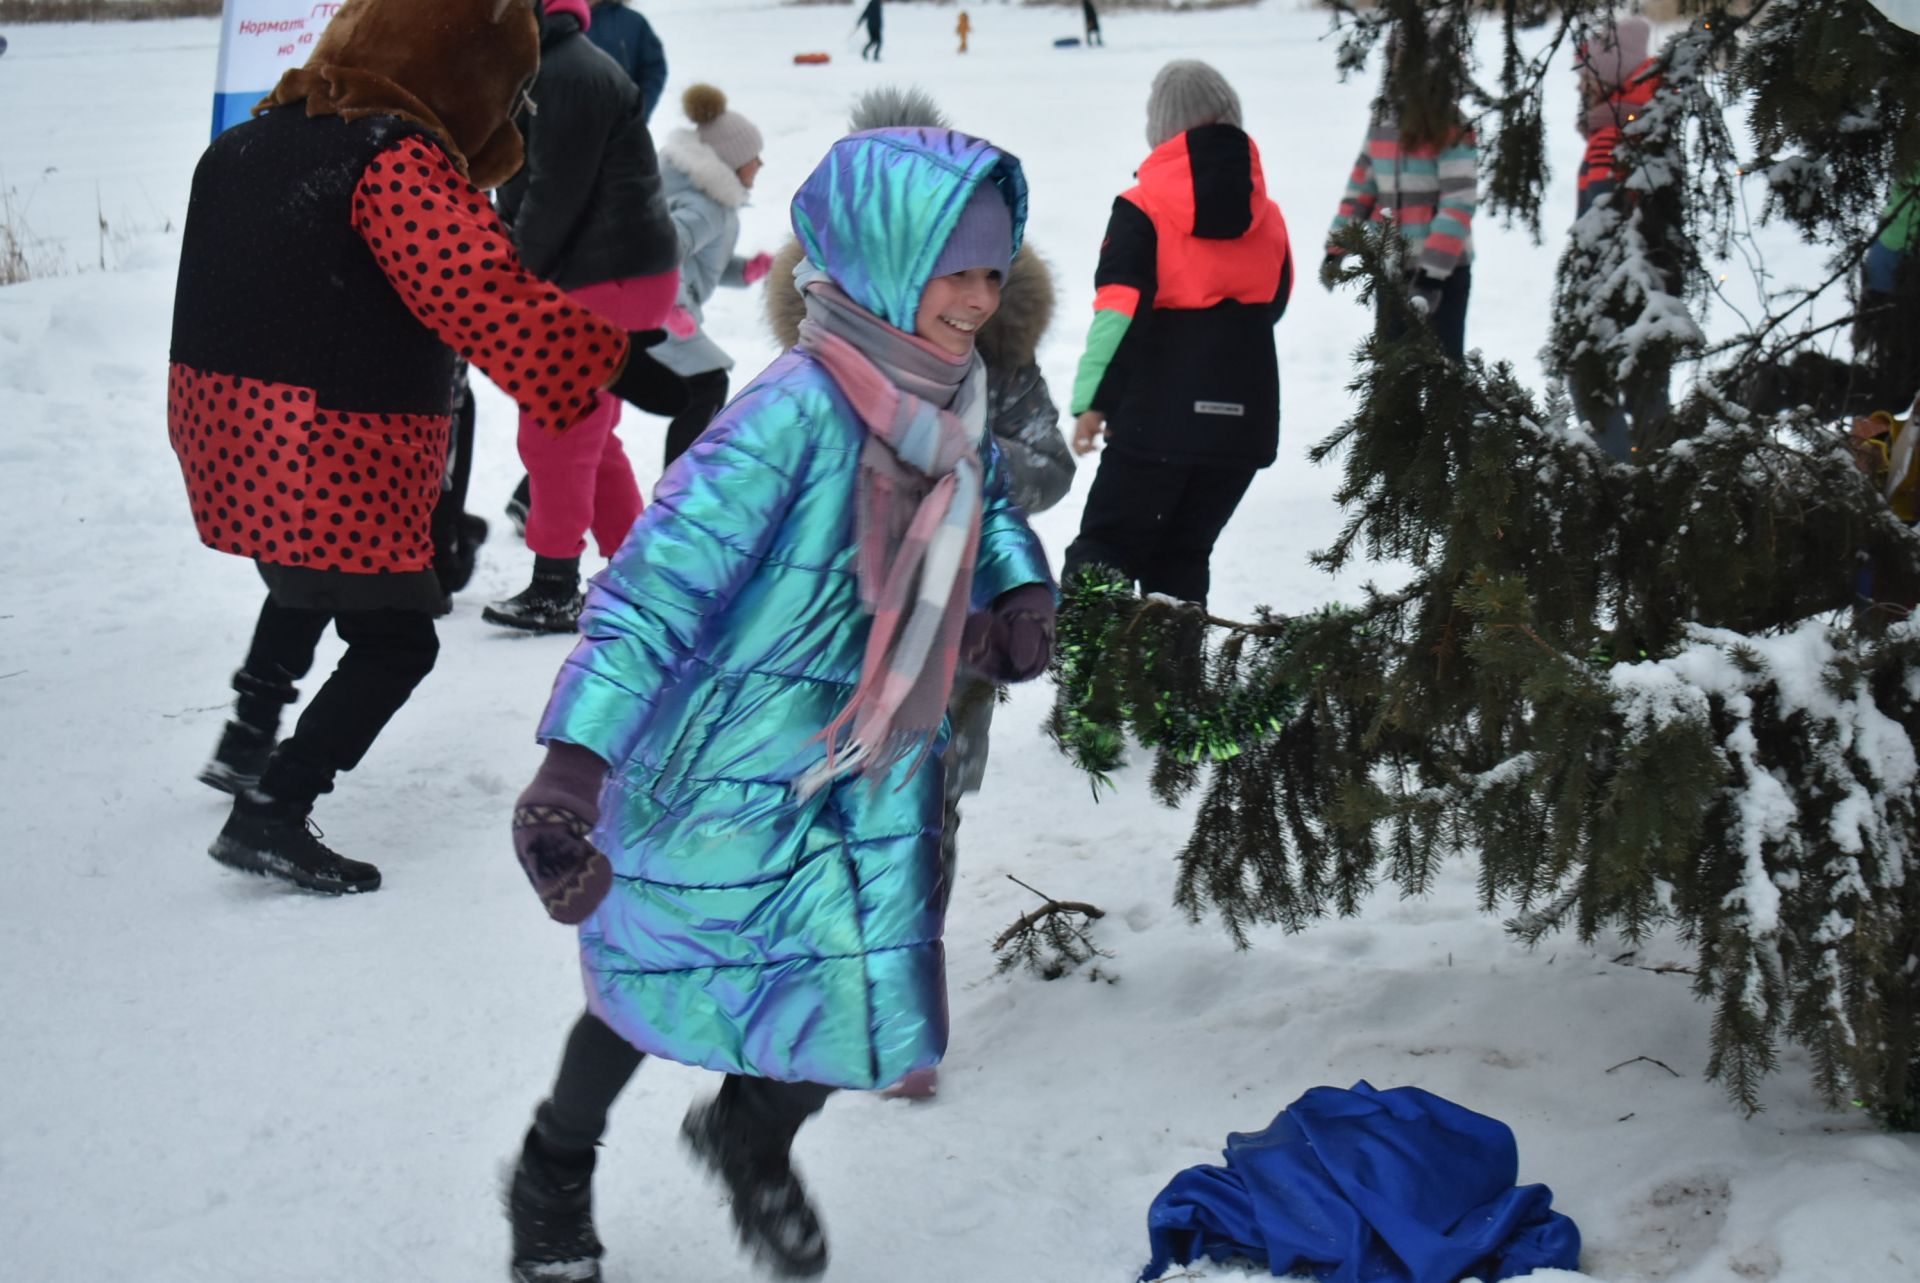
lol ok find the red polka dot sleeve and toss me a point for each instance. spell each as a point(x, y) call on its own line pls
point(450, 258)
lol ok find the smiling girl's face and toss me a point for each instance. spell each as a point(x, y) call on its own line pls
point(953, 308)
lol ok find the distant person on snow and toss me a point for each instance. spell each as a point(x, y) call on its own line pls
point(963, 29)
point(1179, 374)
point(624, 35)
point(337, 252)
point(587, 215)
point(1091, 16)
point(1886, 338)
point(871, 16)
point(1420, 170)
point(709, 172)
point(740, 801)
point(1025, 424)
point(1618, 79)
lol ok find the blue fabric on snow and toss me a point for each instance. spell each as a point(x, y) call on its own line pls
point(1365, 1186)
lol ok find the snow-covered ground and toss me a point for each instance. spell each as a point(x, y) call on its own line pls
point(207, 1077)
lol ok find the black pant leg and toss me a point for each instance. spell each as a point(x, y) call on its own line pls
point(1180, 564)
point(1127, 510)
point(388, 653)
point(460, 442)
point(594, 1069)
point(454, 546)
point(970, 713)
point(769, 1114)
point(1651, 401)
point(281, 653)
point(706, 394)
point(1450, 318)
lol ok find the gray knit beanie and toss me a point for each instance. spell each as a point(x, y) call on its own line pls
point(1187, 94)
point(1615, 50)
point(732, 136)
point(983, 236)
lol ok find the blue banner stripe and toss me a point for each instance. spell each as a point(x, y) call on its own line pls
point(230, 109)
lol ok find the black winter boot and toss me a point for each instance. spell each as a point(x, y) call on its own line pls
point(238, 759)
point(247, 739)
point(776, 1222)
point(268, 836)
point(519, 505)
point(550, 1206)
point(456, 550)
point(551, 604)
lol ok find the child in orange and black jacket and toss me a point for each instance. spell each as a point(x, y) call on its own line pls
point(1180, 375)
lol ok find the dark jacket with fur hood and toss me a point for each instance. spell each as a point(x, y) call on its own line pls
point(1020, 408)
point(587, 207)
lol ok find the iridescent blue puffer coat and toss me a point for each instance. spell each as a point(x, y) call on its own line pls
point(747, 931)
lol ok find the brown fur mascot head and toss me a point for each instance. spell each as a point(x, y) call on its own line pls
point(455, 66)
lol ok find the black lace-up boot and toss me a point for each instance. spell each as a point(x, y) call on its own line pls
point(247, 739)
point(520, 505)
point(238, 759)
point(550, 604)
point(275, 838)
point(550, 1205)
point(771, 1211)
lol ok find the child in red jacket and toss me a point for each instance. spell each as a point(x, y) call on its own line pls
point(1617, 83)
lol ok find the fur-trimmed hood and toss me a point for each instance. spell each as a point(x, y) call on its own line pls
point(1010, 339)
point(1007, 342)
point(453, 67)
point(703, 168)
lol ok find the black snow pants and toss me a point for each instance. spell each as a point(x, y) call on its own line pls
point(1449, 319)
point(1156, 522)
point(597, 1065)
point(388, 653)
point(706, 393)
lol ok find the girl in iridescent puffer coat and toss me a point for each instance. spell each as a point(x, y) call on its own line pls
point(740, 805)
point(1025, 424)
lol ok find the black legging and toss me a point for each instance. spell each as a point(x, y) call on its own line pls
point(1449, 317)
point(597, 1065)
point(388, 653)
point(706, 393)
point(1156, 522)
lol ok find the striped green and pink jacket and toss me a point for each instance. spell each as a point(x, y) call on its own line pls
point(1430, 192)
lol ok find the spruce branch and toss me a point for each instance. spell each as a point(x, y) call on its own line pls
point(1047, 940)
point(1638, 694)
point(1027, 921)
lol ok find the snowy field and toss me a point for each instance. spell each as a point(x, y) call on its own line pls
point(208, 1078)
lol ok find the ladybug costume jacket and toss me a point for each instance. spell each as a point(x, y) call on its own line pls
point(330, 270)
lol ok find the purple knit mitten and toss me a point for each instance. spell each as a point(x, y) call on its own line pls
point(1012, 640)
point(551, 821)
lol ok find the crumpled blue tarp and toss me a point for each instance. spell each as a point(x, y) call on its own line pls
point(1366, 1186)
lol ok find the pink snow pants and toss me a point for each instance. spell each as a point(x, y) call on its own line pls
point(581, 482)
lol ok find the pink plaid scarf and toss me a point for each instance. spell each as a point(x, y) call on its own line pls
point(918, 515)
